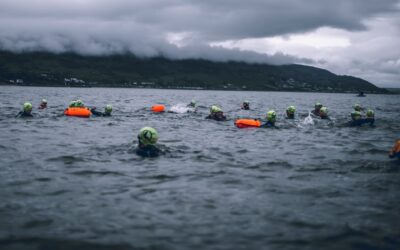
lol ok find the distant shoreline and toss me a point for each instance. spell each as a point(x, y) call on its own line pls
point(392, 91)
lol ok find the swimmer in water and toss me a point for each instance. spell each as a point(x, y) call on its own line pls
point(216, 113)
point(26, 110)
point(192, 104)
point(358, 120)
point(43, 104)
point(317, 107)
point(271, 119)
point(395, 151)
point(77, 104)
point(146, 146)
point(107, 111)
point(246, 105)
point(357, 107)
point(290, 112)
point(323, 113)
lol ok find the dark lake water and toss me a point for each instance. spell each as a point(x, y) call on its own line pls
point(74, 183)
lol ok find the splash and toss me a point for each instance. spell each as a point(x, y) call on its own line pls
point(308, 120)
point(181, 108)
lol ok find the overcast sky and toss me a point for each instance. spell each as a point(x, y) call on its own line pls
point(352, 37)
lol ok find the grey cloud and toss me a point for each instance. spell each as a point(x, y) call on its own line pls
point(98, 27)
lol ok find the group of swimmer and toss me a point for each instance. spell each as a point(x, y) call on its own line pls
point(358, 118)
point(147, 137)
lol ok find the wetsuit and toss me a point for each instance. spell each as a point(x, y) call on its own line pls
point(324, 117)
point(289, 116)
point(360, 122)
point(219, 116)
point(24, 114)
point(148, 150)
point(43, 106)
point(98, 113)
point(245, 106)
point(315, 112)
point(268, 125)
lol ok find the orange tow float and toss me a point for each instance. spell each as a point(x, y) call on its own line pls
point(158, 108)
point(78, 112)
point(246, 123)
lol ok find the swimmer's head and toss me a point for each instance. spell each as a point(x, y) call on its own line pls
point(370, 113)
point(108, 109)
point(27, 107)
point(357, 107)
point(356, 115)
point(291, 110)
point(214, 109)
point(318, 105)
point(323, 111)
point(79, 103)
point(271, 116)
point(192, 103)
point(148, 136)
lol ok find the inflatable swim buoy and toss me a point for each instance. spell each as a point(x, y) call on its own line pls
point(158, 108)
point(79, 112)
point(245, 123)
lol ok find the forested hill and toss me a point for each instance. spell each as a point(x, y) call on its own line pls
point(46, 69)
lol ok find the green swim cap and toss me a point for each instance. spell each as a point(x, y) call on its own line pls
point(356, 115)
point(27, 107)
point(193, 103)
point(215, 109)
point(246, 102)
point(108, 109)
point(291, 109)
point(370, 113)
point(148, 135)
point(318, 105)
point(323, 110)
point(44, 100)
point(79, 103)
point(357, 107)
point(271, 116)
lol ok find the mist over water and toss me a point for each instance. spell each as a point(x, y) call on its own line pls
point(313, 184)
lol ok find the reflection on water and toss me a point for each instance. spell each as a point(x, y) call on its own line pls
point(75, 183)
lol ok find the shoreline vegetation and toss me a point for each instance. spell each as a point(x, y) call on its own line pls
point(129, 71)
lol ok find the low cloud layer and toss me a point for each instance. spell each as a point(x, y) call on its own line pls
point(181, 29)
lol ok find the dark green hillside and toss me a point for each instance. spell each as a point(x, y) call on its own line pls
point(46, 69)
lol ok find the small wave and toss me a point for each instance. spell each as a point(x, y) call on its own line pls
point(66, 244)
point(181, 108)
point(67, 159)
point(91, 172)
point(37, 223)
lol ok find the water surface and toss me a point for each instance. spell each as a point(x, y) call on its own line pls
point(75, 183)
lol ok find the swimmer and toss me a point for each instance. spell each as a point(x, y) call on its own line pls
point(357, 120)
point(323, 113)
point(146, 146)
point(246, 105)
point(107, 111)
point(216, 113)
point(290, 112)
point(395, 151)
point(271, 119)
point(26, 111)
point(317, 107)
point(192, 104)
point(77, 104)
point(43, 104)
point(370, 117)
point(357, 107)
